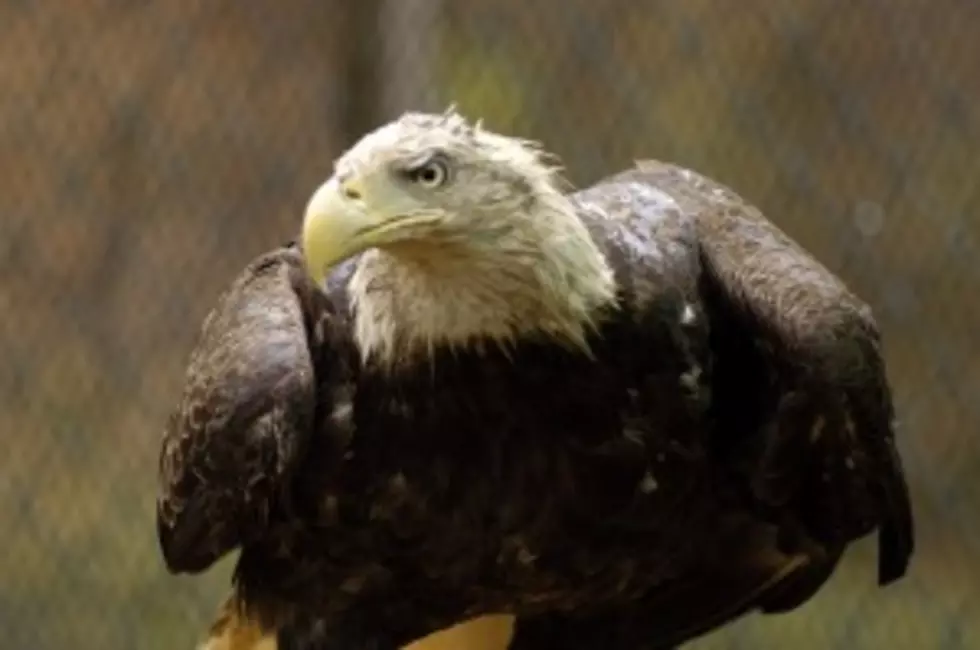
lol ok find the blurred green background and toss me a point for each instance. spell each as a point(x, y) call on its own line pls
point(148, 150)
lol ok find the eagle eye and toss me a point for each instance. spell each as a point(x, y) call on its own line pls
point(433, 172)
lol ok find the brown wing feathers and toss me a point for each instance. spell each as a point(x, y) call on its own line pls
point(816, 338)
point(239, 426)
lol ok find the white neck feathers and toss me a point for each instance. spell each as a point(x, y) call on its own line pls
point(544, 276)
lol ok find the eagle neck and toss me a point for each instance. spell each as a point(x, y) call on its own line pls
point(411, 299)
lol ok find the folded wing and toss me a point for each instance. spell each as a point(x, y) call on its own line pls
point(243, 419)
point(800, 380)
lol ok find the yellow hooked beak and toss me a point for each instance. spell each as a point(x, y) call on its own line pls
point(341, 222)
point(336, 226)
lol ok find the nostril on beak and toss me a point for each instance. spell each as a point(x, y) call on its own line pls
point(350, 191)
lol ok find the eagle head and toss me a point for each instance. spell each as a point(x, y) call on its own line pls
point(470, 229)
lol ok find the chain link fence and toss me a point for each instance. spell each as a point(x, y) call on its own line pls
point(148, 150)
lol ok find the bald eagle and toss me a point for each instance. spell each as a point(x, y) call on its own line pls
point(626, 415)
